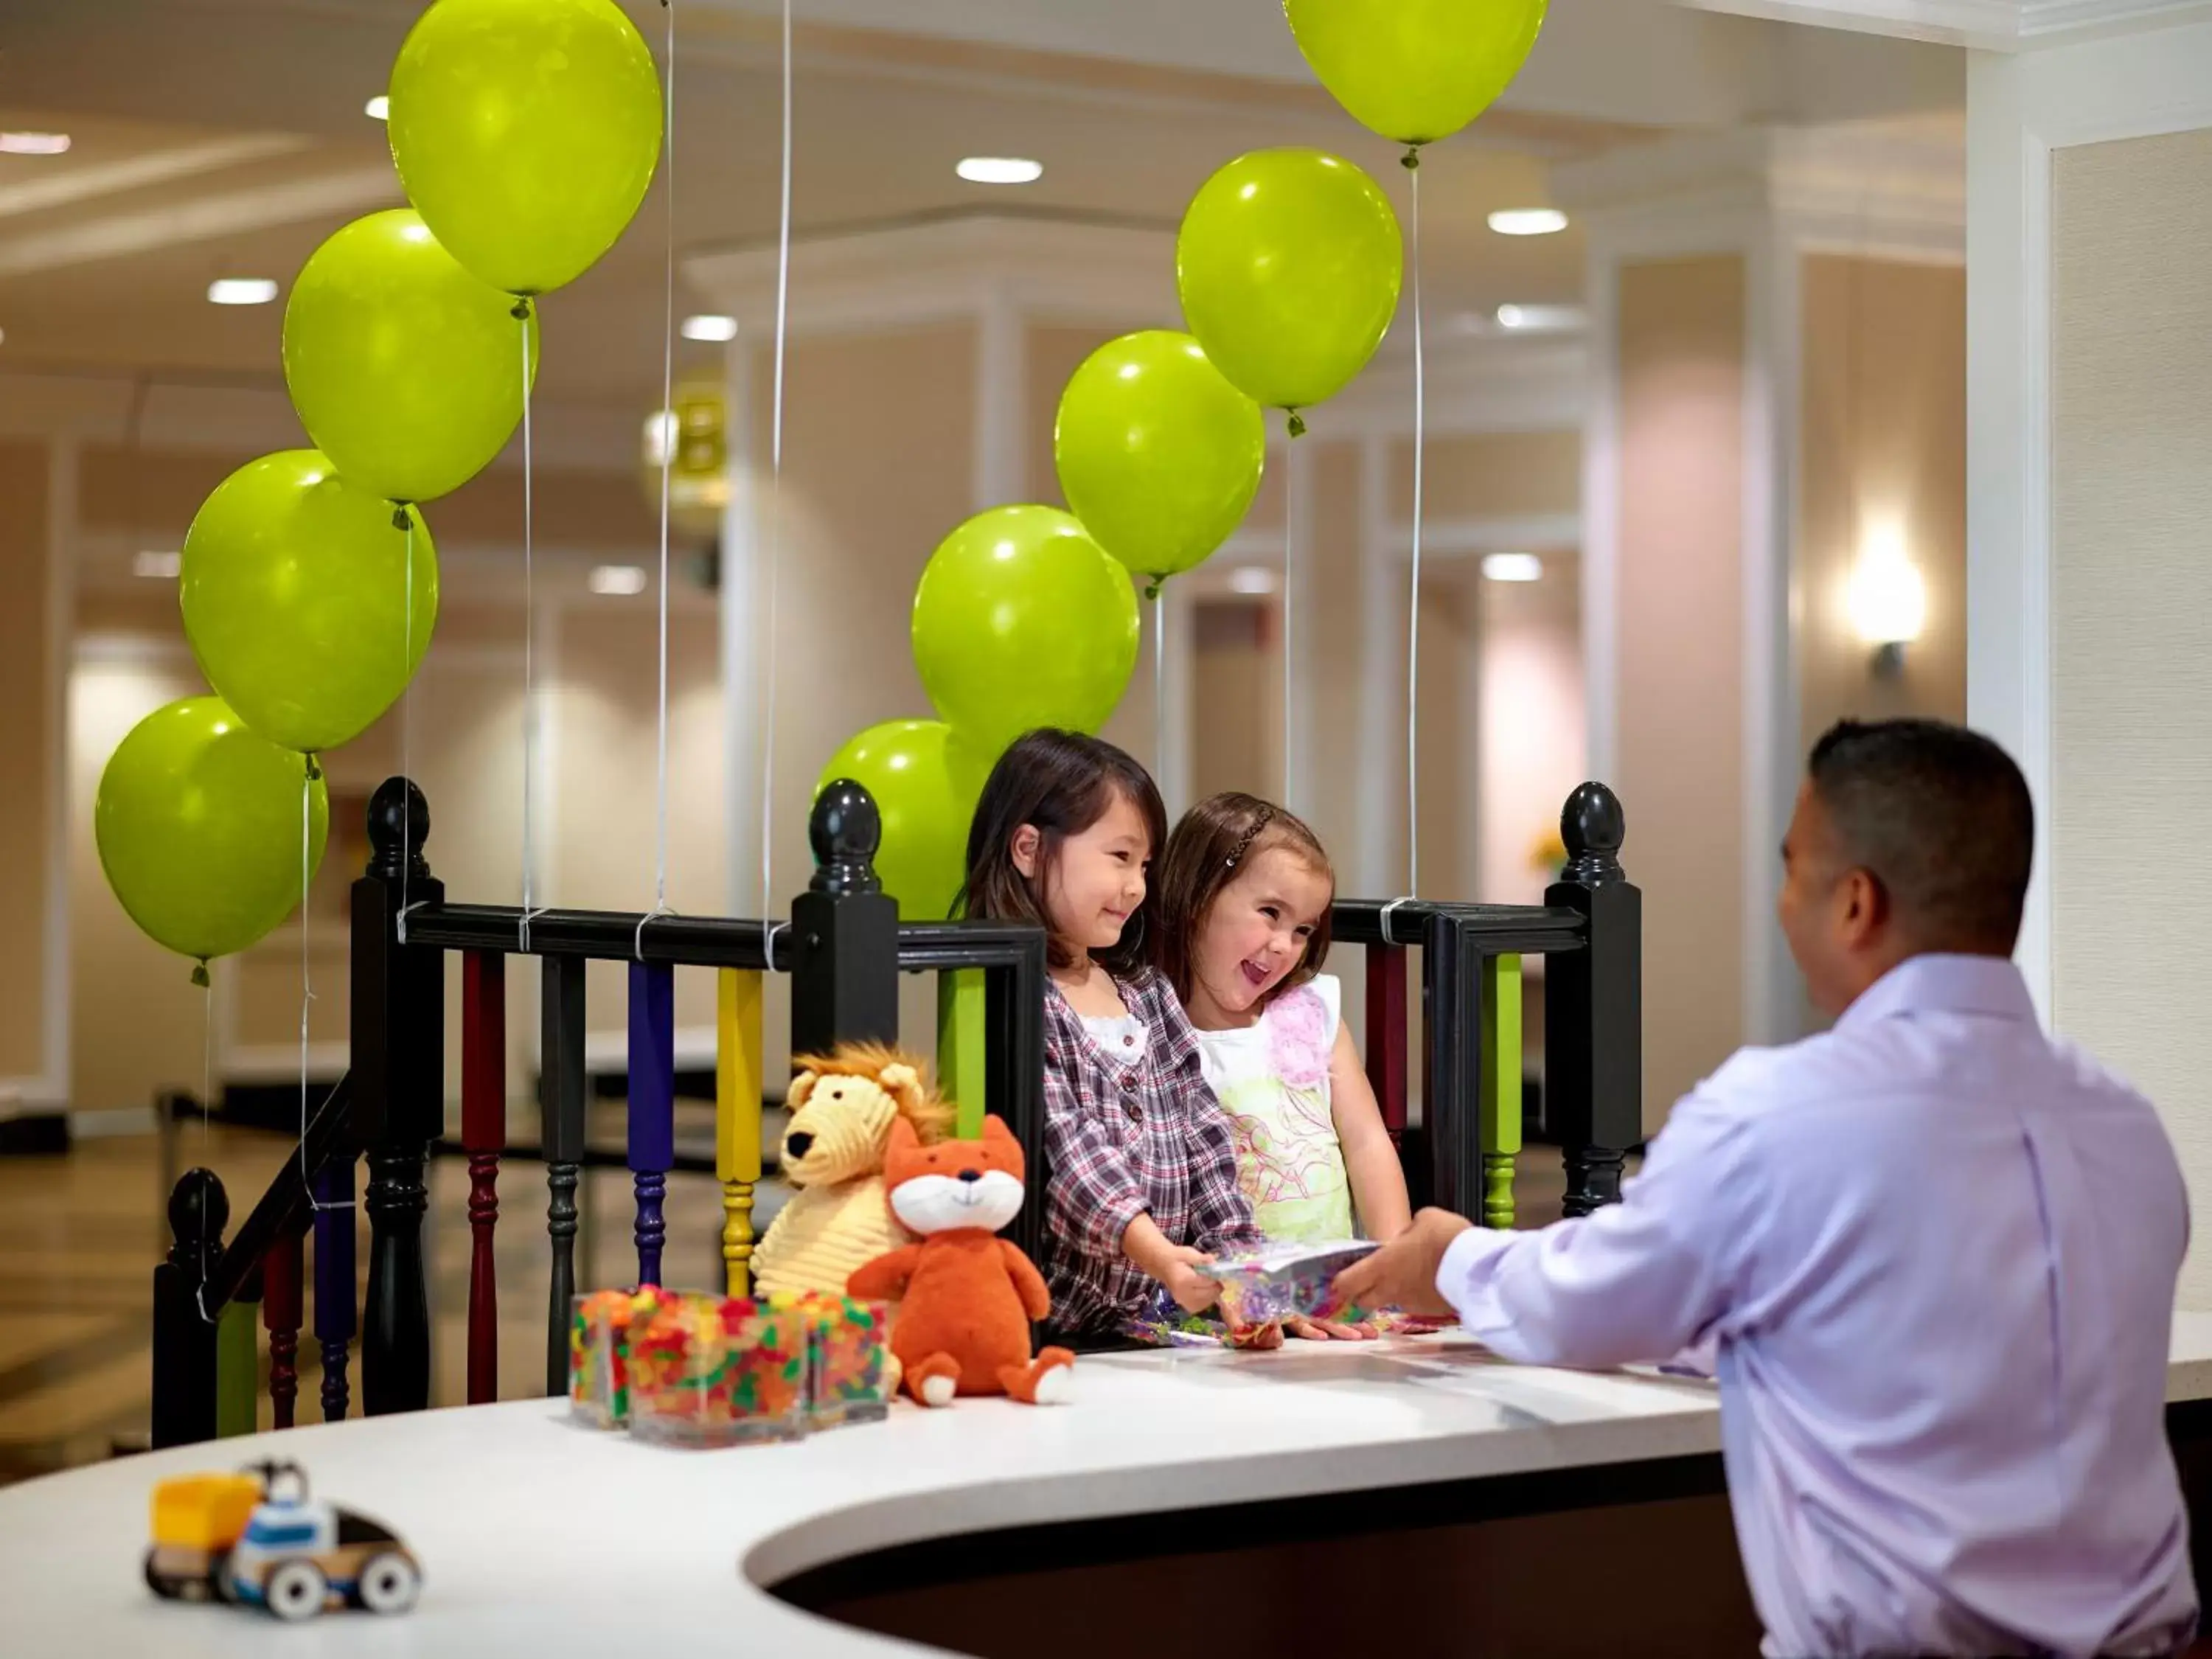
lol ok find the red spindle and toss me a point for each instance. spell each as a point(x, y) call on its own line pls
point(281, 1309)
point(1385, 1034)
point(483, 1136)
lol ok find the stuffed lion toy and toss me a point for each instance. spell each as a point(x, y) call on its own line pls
point(843, 1106)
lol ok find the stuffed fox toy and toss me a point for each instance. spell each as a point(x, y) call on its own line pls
point(843, 1105)
point(966, 1297)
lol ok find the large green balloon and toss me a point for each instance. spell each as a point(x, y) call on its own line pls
point(525, 132)
point(1289, 262)
point(406, 371)
point(925, 779)
point(1020, 620)
point(198, 823)
point(295, 584)
point(1159, 456)
point(1415, 70)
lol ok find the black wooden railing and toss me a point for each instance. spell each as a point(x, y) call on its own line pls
point(843, 949)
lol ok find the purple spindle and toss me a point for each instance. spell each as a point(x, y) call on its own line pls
point(335, 1283)
point(652, 1104)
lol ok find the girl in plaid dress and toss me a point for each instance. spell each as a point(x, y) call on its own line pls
point(1141, 1182)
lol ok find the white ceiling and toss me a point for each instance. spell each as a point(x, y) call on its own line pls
point(226, 137)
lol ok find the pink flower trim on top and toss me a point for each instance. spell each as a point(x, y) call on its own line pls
point(1298, 1037)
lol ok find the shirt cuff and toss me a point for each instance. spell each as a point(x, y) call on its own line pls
point(1464, 1258)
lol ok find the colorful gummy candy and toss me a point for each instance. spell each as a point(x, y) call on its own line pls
point(718, 1371)
point(599, 1325)
point(848, 1372)
point(1287, 1280)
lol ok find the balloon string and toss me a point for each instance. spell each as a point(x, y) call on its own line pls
point(406, 722)
point(1413, 162)
point(775, 491)
point(307, 981)
point(1289, 591)
point(669, 434)
point(529, 654)
point(206, 1095)
point(1159, 678)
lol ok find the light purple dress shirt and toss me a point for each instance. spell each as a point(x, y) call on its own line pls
point(1933, 1253)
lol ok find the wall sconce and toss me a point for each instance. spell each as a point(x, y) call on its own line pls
point(1888, 600)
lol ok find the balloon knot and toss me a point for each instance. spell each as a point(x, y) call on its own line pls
point(200, 973)
point(314, 769)
point(1297, 424)
point(399, 519)
point(1152, 585)
point(522, 310)
point(1411, 161)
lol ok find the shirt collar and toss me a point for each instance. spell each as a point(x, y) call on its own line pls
point(1938, 983)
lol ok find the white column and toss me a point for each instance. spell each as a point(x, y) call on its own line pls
point(1378, 857)
point(1001, 373)
point(745, 625)
point(62, 482)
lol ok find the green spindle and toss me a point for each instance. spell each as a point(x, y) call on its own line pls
point(961, 1040)
point(1500, 1121)
point(237, 1368)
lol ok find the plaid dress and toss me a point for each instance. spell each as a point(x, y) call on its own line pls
point(1123, 1139)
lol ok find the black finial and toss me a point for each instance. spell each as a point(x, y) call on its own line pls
point(845, 830)
point(399, 824)
point(199, 1210)
point(1593, 826)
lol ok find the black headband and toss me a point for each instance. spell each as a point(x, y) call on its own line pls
point(1266, 813)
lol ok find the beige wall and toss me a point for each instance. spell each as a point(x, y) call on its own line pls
point(1533, 735)
point(1681, 670)
point(2132, 589)
point(1488, 474)
point(1882, 442)
point(26, 716)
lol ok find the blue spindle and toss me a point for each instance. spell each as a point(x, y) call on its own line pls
point(652, 1104)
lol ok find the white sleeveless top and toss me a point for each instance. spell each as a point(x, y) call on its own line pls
point(1272, 1079)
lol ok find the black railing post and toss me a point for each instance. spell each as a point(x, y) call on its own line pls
point(1451, 1068)
point(1013, 1074)
point(185, 1353)
point(400, 1085)
point(561, 1086)
point(1593, 1005)
point(844, 928)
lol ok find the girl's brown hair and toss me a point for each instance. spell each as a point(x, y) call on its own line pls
point(1212, 843)
point(1060, 783)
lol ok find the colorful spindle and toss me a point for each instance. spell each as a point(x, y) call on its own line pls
point(1499, 1123)
point(483, 1137)
point(562, 1100)
point(737, 1083)
point(336, 1318)
point(282, 1306)
point(1385, 1034)
point(651, 1105)
point(238, 1363)
point(963, 1034)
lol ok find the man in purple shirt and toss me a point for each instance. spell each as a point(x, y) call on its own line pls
point(1930, 1255)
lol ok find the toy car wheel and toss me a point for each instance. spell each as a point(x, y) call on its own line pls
point(388, 1583)
point(160, 1583)
point(295, 1590)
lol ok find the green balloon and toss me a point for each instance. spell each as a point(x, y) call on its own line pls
point(198, 823)
point(1288, 263)
point(925, 779)
point(295, 587)
point(525, 132)
point(1158, 455)
point(1415, 70)
point(406, 371)
point(1020, 621)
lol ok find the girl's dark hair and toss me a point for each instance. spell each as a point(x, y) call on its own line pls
point(1212, 843)
point(1060, 783)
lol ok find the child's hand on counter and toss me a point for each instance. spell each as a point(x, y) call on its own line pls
point(1327, 1330)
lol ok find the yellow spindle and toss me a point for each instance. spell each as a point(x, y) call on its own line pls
point(738, 1068)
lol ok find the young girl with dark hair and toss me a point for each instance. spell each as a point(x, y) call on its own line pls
point(1141, 1182)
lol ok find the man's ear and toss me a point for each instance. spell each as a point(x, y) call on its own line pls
point(1866, 907)
point(1026, 843)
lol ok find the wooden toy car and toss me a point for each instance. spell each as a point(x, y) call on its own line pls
point(258, 1538)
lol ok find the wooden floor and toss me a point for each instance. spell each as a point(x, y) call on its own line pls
point(80, 1235)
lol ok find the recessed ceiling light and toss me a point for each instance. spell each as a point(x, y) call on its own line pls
point(1513, 567)
point(1542, 320)
point(1528, 221)
point(33, 143)
point(709, 326)
point(1251, 579)
point(377, 108)
point(618, 580)
point(157, 565)
point(999, 170)
point(241, 290)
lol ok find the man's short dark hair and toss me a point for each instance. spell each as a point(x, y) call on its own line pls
point(1941, 816)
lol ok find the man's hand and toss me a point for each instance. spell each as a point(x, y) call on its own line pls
point(1402, 1275)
